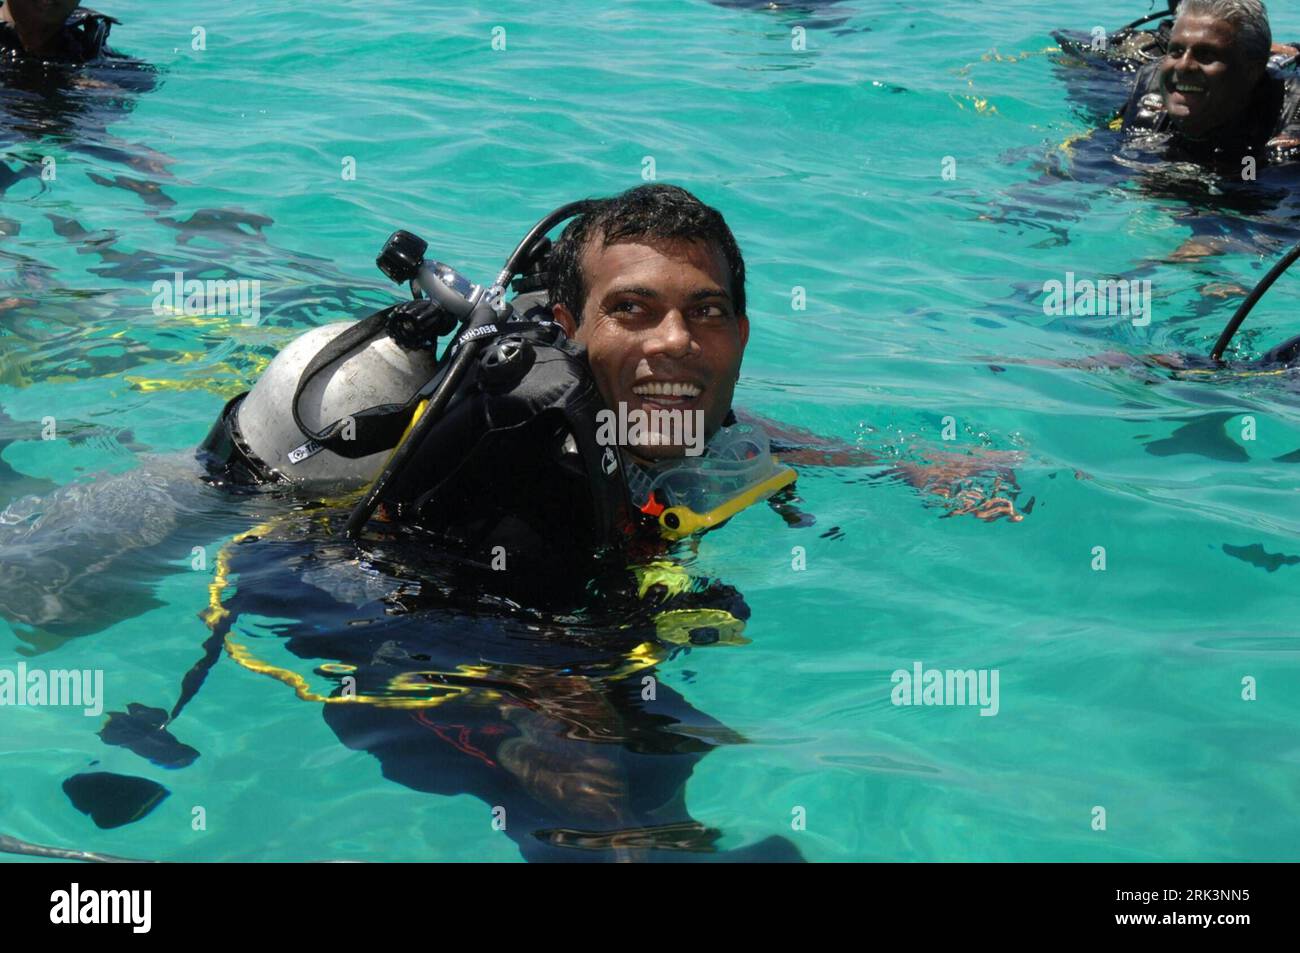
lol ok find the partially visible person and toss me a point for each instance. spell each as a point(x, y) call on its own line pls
point(53, 31)
point(1130, 48)
point(1211, 123)
point(59, 80)
point(1213, 94)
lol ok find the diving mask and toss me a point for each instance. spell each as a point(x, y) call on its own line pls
point(737, 469)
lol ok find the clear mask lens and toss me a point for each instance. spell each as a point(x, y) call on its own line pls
point(737, 458)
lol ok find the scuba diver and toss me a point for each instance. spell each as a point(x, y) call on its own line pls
point(499, 456)
point(54, 31)
point(640, 305)
point(60, 81)
point(1215, 94)
point(1218, 155)
point(1197, 151)
point(324, 417)
point(515, 659)
point(1131, 48)
point(642, 299)
point(1211, 86)
point(537, 394)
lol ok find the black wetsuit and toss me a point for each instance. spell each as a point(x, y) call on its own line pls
point(1286, 354)
point(541, 715)
point(83, 39)
point(540, 719)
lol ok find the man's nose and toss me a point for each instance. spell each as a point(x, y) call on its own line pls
point(672, 335)
point(1184, 63)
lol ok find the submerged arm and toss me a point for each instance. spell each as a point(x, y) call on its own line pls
point(949, 476)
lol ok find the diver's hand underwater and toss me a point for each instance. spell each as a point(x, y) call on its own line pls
point(954, 478)
point(949, 476)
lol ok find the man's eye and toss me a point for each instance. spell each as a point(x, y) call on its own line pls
point(625, 308)
point(710, 313)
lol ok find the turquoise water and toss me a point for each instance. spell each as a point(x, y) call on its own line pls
point(1120, 689)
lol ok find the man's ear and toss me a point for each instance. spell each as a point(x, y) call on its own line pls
point(742, 326)
point(565, 320)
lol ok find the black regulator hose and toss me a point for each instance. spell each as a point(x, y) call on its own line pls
point(1231, 328)
point(1170, 11)
point(519, 257)
point(485, 311)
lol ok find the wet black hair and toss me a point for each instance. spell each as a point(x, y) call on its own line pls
point(648, 212)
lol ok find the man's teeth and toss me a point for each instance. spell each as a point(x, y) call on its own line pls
point(1188, 88)
point(666, 389)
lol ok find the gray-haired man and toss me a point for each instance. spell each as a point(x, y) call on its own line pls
point(1213, 91)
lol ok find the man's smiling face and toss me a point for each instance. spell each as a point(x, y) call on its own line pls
point(1204, 77)
point(660, 330)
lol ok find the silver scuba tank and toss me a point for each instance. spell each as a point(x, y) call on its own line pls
point(379, 373)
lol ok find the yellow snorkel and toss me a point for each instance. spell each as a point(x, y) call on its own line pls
point(692, 494)
point(677, 522)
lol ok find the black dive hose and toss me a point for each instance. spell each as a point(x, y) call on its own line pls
point(1231, 328)
point(485, 305)
point(1172, 11)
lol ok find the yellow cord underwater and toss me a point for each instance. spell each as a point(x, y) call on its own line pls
point(563, 722)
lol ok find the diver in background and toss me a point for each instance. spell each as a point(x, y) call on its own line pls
point(1211, 86)
point(1129, 49)
point(53, 31)
point(1212, 94)
point(1222, 148)
point(60, 82)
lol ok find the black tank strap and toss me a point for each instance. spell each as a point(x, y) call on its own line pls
point(355, 337)
point(367, 431)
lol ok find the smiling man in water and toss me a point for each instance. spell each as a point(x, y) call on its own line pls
point(1213, 91)
point(652, 284)
point(660, 312)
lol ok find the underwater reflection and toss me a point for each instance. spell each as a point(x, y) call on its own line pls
point(543, 700)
